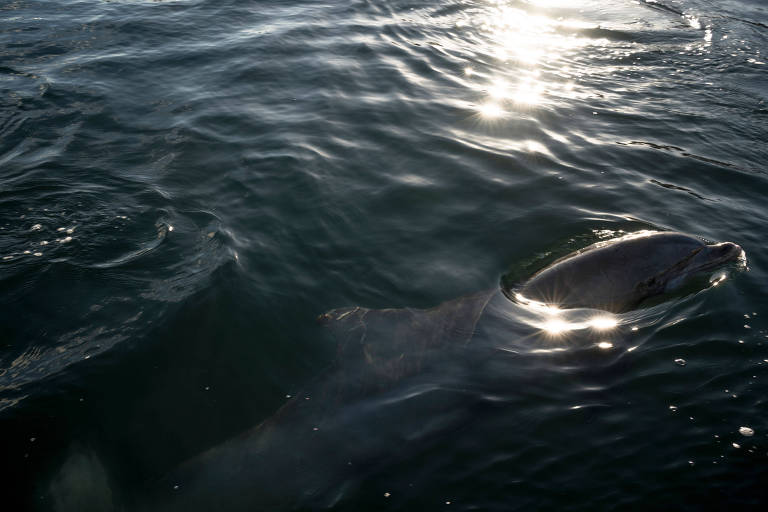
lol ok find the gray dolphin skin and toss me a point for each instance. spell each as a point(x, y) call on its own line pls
point(617, 275)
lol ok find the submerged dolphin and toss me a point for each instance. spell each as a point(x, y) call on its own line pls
point(303, 456)
point(382, 346)
point(618, 274)
point(300, 456)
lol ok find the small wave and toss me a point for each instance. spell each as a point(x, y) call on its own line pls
point(672, 186)
point(683, 152)
point(147, 248)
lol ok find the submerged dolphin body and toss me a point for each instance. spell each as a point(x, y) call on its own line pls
point(341, 429)
point(617, 275)
point(294, 459)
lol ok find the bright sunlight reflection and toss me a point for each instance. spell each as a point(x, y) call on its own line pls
point(529, 43)
point(533, 44)
point(555, 326)
point(603, 323)
point(557, 323)
point(491, 110)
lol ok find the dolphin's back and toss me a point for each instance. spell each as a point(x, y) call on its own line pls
point(614, 275)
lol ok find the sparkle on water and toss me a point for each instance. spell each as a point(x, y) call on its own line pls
point(603, 323)
point(525, 41)
point(746, 431)
point(556, 322)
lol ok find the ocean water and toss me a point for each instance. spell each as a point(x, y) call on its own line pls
point(185, 186)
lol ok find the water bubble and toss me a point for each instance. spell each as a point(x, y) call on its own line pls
point(36, 227)
point(736, 445)
point(680, 362)
point(746, 431)
point(672, 407)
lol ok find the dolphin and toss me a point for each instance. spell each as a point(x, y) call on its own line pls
point(617, 275)
point(354, 419)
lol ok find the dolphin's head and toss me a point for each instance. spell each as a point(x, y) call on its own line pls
point(621, 273)
point(703, 259)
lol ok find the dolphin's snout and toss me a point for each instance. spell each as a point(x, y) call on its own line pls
point(727, 251)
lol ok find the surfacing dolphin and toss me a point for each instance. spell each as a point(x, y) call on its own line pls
point(619, 274)
point(300, 457)
point(293, 460)
point(615, 275)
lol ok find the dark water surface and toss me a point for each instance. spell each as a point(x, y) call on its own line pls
point(186, 185)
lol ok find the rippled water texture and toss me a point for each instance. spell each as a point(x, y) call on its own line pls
point(186, 185)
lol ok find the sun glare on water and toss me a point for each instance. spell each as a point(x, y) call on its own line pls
point(529, 43)
point(491, 110)
point(603, 323)
point(555, 327)
point(558, 323)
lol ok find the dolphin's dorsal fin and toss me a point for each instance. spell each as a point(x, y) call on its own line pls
point(389, 344)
